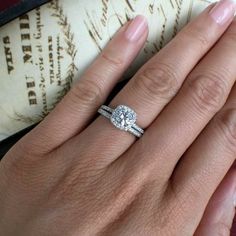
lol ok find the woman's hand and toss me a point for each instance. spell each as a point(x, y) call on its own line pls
point(73, 175)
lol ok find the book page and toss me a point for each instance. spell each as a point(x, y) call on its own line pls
point(46, 50)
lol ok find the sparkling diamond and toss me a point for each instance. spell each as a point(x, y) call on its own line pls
point(123, 117)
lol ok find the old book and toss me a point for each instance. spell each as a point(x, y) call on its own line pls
point(45, 50)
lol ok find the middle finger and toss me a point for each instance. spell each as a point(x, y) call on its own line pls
point(203, 95)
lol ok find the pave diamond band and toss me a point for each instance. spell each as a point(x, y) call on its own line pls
point(123, 118)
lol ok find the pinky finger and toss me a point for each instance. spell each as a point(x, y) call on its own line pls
point(219, 214)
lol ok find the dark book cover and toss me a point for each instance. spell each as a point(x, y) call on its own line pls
point(10, 9)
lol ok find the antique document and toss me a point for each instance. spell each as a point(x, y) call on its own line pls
point(44, 51)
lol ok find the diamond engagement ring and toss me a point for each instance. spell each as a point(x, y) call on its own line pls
point(123, 118)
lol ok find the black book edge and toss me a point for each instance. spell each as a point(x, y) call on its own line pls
point(18, 9)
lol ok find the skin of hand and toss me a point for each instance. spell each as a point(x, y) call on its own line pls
point(76, 174)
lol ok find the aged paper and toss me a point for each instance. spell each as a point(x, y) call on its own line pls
point(44, 51)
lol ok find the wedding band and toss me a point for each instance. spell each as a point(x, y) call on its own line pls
point(123, 118)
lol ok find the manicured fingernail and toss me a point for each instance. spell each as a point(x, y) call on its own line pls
point(136, 28)
point(223, 11)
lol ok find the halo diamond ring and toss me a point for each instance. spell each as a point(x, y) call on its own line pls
point(123, 118)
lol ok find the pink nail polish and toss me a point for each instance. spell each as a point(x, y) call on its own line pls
point(223, 11)
point(136, 28)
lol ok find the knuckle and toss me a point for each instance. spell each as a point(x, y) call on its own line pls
point(191, 193)
point(22, 169)
point(227, 122)
point(208, 92)
point(195, 34)
point(160, 81)
point(86, 93)
point(114, 61)
point(66, 187)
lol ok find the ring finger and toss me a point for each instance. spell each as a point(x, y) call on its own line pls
point(77, 108)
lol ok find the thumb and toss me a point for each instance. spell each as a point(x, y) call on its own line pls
point(219, 214)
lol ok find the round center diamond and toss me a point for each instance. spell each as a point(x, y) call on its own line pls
point(123, 117)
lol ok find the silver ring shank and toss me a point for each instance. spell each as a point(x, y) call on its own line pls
point(107, 112)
